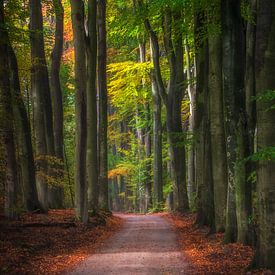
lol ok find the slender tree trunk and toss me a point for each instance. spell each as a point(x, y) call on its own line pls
point(265, 81)
point(41, 99)
point(157, 145)
point(148, 166)
point(7, 131)
point(80, 110)
point(103, 118)
point(57, 192)
point(173, 108)
point(92, 153)
point(191, 188)
point(250, 106)
point(146, 140)
point(23, 133)
point(204, 181)
point(218, 152)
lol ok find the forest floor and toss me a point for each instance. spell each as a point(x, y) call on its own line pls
point(50, 244)
point(144, 244)
point(207, 253)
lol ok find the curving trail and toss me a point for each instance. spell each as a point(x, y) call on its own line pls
point(145, 245)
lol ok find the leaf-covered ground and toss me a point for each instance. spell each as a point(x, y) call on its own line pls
point(207, 253)
point(50, 244)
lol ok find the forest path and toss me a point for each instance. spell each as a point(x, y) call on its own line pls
point(146, 244)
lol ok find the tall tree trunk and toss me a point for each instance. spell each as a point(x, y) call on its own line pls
point(204, 182)
point(41, 98)
point(7, 131)
point(191, 186)
point(148, 166)
point(23, 133)
point(218, 152)
point(172, 100)
point(56, 198)
point(92, 148)
point(103, 118)
point(157, 145)
point(92, 143)
point(265, 81)
point(173, 108)
point(239, 190)
point(251, 104)
point(146, 140)
point(80, 110)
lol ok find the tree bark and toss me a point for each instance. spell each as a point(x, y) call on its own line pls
point(56, 198)
point(265, 70)
point(148, 166)
point(103, 118)
point(218, 150)
point(23, 133)
point(92, 146)
point(80, 110)
point(7, 132)
point(204, 181)
point(191, 186)
point(42, 103)
point(239, 191)
point(172, 100)
point(157, 145)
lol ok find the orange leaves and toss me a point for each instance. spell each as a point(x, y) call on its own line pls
point(207, 253)
point(121, 171)
point(50, 249)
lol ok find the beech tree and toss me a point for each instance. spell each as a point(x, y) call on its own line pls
point(80, 109)
point(149, 105)
point(42, 101)
point(56, 96)
point(265, 57)
point(7, 131)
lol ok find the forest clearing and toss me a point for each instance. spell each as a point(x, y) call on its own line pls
point(137, 137)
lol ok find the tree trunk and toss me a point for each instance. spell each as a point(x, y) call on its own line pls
point(148, 166)
point(56, 198)
point(6, 114)
point(250, 106)
point(41, 98)
point(191, 186)
point(204, 182)
point(235, 123)
point(103, 118)
point(23, 133)
point(218, 152)
point(173, 108)
point(92, 153)
point(265, 81)
point(80, 110)
point(157, 145)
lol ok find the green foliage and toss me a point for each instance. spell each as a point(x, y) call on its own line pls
point(266, 96)
point(125, 87)
point(247, 12)
point(267, 154)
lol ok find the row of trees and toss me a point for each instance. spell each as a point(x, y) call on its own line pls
point(218, 156)
point(191, 113)
point(32, 130)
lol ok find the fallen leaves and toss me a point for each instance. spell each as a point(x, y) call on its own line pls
point(207, 253)
point(50, 244)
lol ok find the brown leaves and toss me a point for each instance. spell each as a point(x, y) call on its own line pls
point(52, 248)
point(207, 253)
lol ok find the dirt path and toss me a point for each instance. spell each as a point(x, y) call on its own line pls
point(145, 245)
